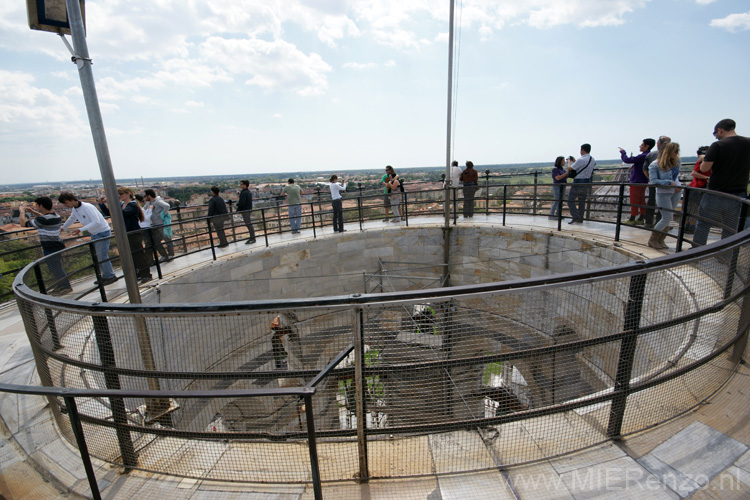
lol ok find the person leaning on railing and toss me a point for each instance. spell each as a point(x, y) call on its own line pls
point(47, 224)
point(217, 210)
point(728, 160)
point(664, 172)
point(638, 179)
point(93, 222)
point(133, 215)
point(700, 180)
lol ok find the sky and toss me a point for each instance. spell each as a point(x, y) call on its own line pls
point(195, 87)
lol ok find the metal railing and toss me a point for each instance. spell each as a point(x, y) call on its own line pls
point(399, 383)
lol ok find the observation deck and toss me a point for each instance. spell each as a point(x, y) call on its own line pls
point(512, 390)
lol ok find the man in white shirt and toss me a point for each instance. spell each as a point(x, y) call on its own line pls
point(93, 222)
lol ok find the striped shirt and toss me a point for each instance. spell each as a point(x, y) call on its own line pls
point(48, 226)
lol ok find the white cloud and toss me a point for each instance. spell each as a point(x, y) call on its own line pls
point(26, 110)
point(733, 22)
point(277, 116)
point(704, 2)
point(361, 66)
point(194, 104)
point(270, 65)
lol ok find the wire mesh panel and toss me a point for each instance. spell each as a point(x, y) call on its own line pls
point(405, 383)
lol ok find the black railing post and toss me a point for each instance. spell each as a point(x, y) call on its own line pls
point(83, 449)
point(487, 192)
point(312, 219)
point(360, 383)
point(47, 312)
point(455, 205)
point(320, 206)
point(405, 213)
point(683, 220)
point(359, 205)
point(732, 267)
point(505, 202)
point(563, 189)
point(536, 193)
point(154, 252)
point(112, 381)
point(628, 345)
point(620, 203)
point(265, 224)
point(211, 238)
point(312, 445)
point(97, 272)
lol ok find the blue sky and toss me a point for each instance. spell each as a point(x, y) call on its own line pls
point(191, 87)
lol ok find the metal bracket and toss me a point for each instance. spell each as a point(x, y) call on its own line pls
point(78, 60)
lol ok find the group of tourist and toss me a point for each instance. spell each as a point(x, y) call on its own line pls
point(722, 167)
point(219, 214)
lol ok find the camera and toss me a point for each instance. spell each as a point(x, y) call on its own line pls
point(571, 158)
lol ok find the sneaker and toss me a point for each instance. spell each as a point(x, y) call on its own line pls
point(631, 222)
point(250, 242)
point(640, 222)
point(395, 221)
point(386, 220)
point(106, 281)
point(224, 245)
point(145, 279)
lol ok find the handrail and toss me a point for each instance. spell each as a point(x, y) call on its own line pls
point(35, 305)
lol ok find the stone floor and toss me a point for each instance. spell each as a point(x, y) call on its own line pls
point(704, 454)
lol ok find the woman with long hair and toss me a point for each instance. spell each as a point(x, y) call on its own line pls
point(559, 179)
point(133, 216)
point(664, 173)
point(337, 203)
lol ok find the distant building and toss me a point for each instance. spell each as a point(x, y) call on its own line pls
point(43, 189)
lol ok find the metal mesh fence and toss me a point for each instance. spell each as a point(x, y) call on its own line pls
point(471, 381)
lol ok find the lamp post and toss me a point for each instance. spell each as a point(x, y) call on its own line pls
point(67, 18)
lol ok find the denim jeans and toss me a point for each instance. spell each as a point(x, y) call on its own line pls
point(718, 210)
point(54, 264)
point(338, 214)
point(101, 246)
point(667, 202)
point(295, 214)
point(556, 208)
point(578, 193)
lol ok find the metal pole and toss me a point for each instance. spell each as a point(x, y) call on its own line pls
point(446, 209)
point(312, 444)
point(360, 383)
point(86, 74)
point(447, 186)
point(83, 449)
point(627, 355)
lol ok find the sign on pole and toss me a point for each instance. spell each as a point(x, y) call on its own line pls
point(50, 15)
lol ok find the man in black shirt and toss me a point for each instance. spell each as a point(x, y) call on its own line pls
point(218, 210)
point(245, 207)
point(728, 160)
